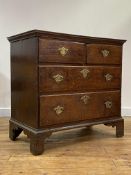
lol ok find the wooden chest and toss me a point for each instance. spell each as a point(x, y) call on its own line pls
point(62, 81)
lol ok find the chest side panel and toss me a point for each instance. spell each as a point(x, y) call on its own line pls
point(24, 97)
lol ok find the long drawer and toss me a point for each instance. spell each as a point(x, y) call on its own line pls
point(77, 78)
point(65, 108)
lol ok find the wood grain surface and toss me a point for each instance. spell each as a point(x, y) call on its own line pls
point(94, 54)
point(24, 87)
point(49, 51)
point(73, 79)
point(76, 109)
point(94, 151)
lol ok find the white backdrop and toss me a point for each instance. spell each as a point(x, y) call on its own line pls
point(102, 18)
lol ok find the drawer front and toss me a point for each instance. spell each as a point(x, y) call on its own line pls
point(104, 54)
point(55, 51)
point(75, 78)
point(60, 109)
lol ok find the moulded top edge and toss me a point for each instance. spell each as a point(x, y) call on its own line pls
point(78, 38)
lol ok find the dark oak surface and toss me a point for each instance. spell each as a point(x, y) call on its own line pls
point(68, 37)
point(53, 70)
point(94, 54)
point(73, 79)
point(49, 51)
point(24, 87)
point(75, 109)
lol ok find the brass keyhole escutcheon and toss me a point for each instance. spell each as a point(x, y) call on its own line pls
point(108, 77)
point(58, 78)
point(63, 51)
point(105, 52)
point(59, 109)
point(85, 72)
point(85, 99)
point(108, 104)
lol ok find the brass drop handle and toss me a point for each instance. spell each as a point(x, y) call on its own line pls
point(108, 104)
point(58, 109)
point(58, 78)
point(85, 73)
point(108, 77)
point(105, 52)
point(85, 99)
point(63, 51)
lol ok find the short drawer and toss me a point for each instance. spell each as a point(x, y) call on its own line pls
point(75, 78)
point(55, 51)
point(66, 108)
point(104, 54)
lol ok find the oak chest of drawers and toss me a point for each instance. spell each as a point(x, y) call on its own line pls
point(62, 81)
